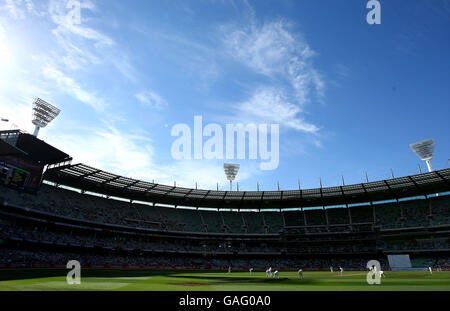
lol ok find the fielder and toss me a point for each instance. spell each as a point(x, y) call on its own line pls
point(251, 271)
point(275, 274)
point(269, 272)
point(342, 270)
point(300, 274)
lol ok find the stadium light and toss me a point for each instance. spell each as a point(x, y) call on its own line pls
point(43, 114)
point(231, 171)
point(424, 150)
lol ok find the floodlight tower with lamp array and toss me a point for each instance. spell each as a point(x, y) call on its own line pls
point(43, 114)
point(424, 150)
point(231, 171)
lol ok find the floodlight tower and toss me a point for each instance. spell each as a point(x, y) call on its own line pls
point(231, 171)
point(424, 150)
point(43, 114)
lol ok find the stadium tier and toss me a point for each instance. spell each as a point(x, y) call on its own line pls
point(105, 219)
point(57, 222)
point(416, 212)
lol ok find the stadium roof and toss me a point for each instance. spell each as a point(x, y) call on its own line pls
point(33, 147)
point(7, 149)
point(95, 180)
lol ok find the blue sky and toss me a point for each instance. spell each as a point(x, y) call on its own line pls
point(349, 97)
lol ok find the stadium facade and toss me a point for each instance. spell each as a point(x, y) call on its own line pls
point(103, 219)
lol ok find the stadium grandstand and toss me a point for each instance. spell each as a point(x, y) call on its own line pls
point(107, 220)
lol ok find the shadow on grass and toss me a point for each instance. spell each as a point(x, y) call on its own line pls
point(214, 280)
point(24, 274)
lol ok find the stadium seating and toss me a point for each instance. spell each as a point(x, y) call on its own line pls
point(273, 221)
point(440, 208)
point(361, 214)
point(213, 221)
point(254, 222)
point(415, 213)
point(315, 217)
point(68, 203)
point(233, 221)
point(338, 215)
point(387, 215)
point(192, 219)
point(293, 218)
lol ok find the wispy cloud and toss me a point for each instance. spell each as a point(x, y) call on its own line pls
point(152, 100)
point(19, 9)
point(271, 105)
point(342, 70)
point(275, 51)
point(76, 40)
point(84, 45)
point(199, 58)
point(15, 8)
point(71, 87)
point(125, 153)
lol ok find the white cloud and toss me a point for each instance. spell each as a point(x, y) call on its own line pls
point(283, 58)
point(84, 45)
point(275, 51)
point(20, 8)
point(342, 70)
point(76, 39)
point(59, 14)
point(270, 105)
point(15, 8)
point(152, 100)
point(71, 87)
point(130, 155)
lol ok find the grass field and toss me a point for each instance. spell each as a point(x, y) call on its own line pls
point(151, 280)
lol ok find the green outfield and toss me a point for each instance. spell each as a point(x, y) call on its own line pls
point(152, 280)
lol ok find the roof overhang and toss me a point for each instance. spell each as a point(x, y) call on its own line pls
point(87, 178)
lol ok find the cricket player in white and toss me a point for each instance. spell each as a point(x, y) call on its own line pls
point(269, 272)
point(300, 274)
point(431, 270)
point(229, 269)
point(331, 269)
point(251, 271)
point(342, 270)
point(275, 274)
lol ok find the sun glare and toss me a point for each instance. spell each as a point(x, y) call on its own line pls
point(4, 54)
point(6, 58)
